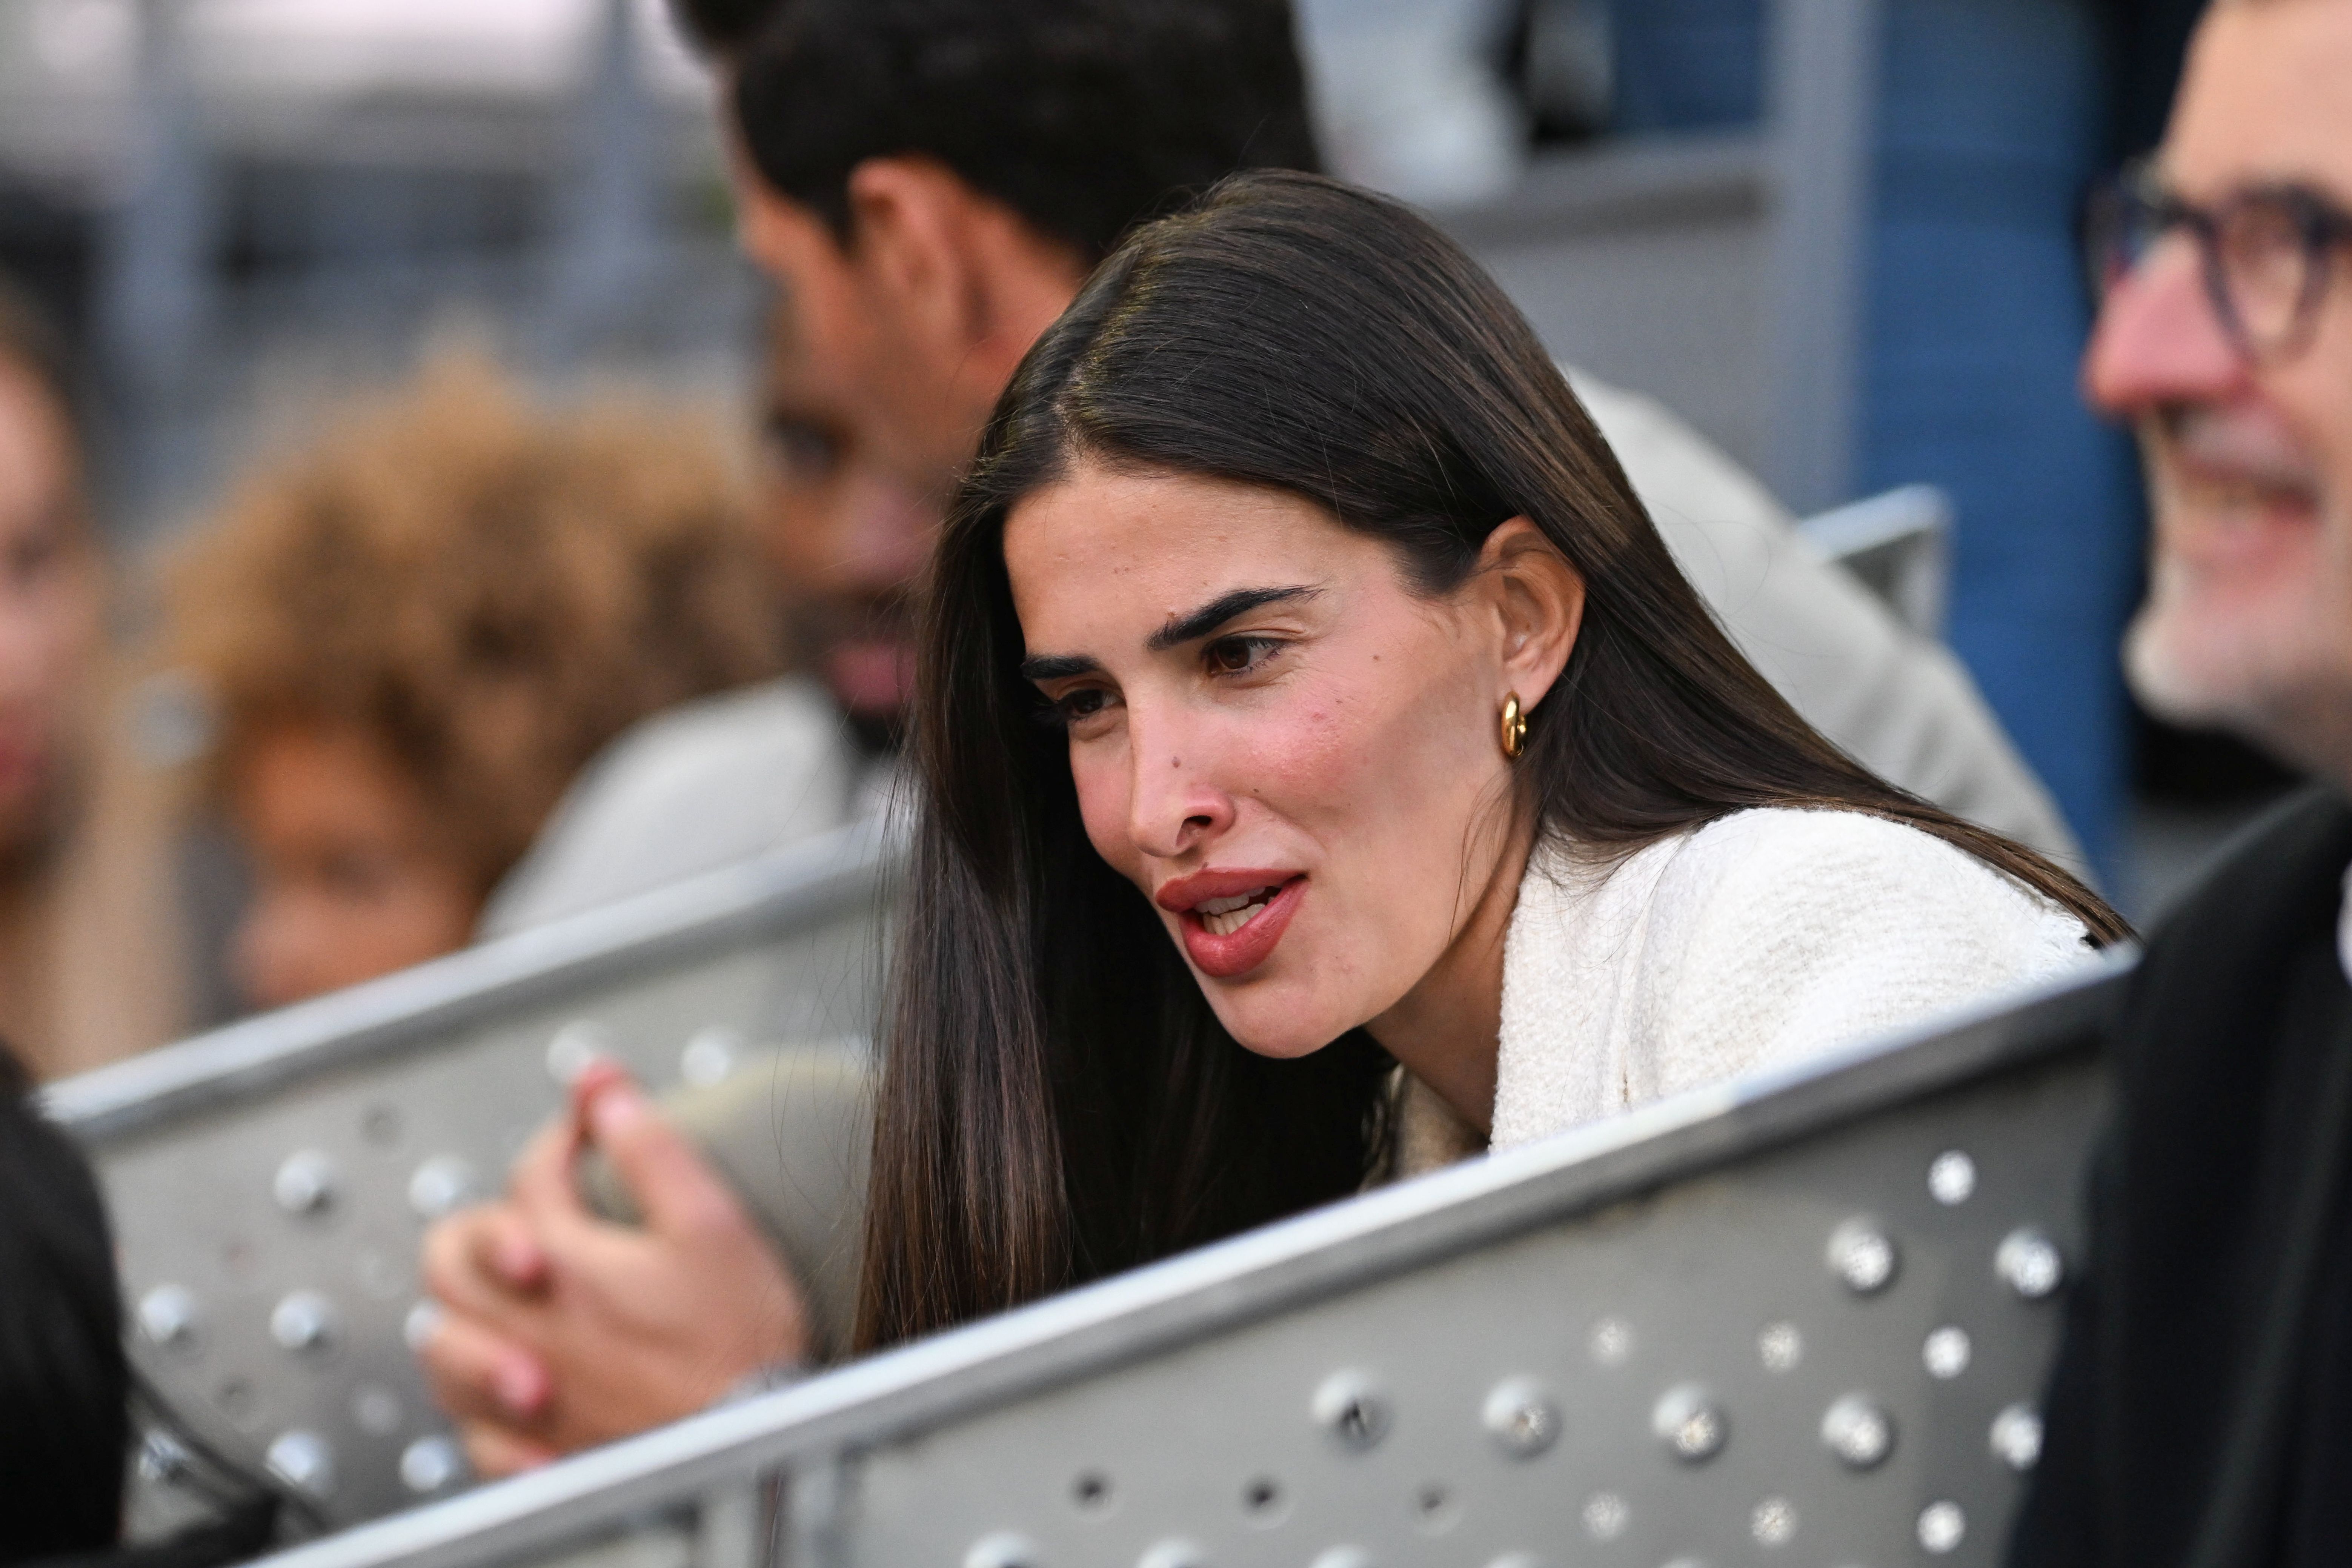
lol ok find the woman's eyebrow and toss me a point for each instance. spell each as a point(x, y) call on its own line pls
point(1179, 630)
point(1058, 666)
point(1200, 623)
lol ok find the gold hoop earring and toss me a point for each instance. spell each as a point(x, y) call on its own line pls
point(1515, 727)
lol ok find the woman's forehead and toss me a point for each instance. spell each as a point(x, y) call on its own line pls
point(1105, 542)
point(1098, 511)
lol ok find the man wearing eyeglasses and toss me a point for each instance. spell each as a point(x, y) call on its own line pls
point(2201, 1409)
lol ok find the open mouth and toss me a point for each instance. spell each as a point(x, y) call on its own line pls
point(2237, 468)
point(1229, 921)
point(1222, 917)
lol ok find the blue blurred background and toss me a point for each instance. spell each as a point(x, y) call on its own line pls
point(1991, 117)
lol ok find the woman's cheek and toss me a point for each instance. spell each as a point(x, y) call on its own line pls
point(1307, 753)
point(1102, 785)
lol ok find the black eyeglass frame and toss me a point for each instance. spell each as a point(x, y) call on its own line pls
point(2134, 202)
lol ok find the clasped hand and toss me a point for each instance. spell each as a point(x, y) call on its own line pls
point(559, 1329)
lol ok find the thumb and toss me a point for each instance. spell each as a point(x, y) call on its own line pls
point(675, 1187)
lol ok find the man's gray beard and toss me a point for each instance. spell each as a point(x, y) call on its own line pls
point(2289, 700)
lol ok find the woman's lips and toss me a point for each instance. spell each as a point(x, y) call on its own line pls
point(1228, 955)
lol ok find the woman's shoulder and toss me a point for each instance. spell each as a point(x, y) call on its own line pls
point(1813, 828)
point(1763, 937)
point(1771, 858)
point(1776, 934)
point(1807, 850)
point(1851, 878)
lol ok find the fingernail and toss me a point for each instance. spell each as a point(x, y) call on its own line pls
point(519, 1387)
point(518, 1260)
point(597, 1074)
point(618, 1109)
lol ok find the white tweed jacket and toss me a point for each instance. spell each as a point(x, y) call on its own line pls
point(1762, 938)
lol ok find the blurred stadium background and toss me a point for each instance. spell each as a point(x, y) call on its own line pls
point(1836, 234)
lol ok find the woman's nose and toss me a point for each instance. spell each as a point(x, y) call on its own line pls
point(1174, 803)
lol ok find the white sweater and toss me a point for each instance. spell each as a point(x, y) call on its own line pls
point(1763, 937)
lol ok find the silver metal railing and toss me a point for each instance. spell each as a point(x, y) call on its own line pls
point(1899, 542)
point(1808, 1311)
point(270, 1182)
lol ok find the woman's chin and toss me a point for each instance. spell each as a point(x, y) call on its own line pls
point(1263, 1034)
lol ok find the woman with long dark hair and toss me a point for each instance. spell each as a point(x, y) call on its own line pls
point(1304, 695)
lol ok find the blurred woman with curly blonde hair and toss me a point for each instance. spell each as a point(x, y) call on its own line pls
point(416, 632)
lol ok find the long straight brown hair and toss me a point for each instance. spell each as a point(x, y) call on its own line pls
point(1057, 1099)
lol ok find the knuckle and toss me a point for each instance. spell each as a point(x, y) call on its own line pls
point(456, 1388)
point(485, 1449)
point(443, 1259)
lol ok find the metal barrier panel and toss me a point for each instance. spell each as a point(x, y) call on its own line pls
point(1647, 262)
point(270, 1182)
point(1805, 1317)
point(1899, 542)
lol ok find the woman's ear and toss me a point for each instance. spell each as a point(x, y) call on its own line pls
point(1538, 598)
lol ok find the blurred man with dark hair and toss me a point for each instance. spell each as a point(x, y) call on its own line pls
point(932, 179)
point(2202, 1410)
point(930, 182)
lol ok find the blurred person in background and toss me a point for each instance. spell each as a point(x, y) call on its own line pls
point(91, 966)
point(414, 634)
point(930, 182)
point(2201, 1412)
point(729, 776)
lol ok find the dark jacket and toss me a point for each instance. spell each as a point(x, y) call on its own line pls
point(65, 1416)
point(2202, 1408)
point(63, 1384)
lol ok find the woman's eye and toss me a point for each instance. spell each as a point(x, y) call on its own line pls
point(1238, 656)
point(1077, 707)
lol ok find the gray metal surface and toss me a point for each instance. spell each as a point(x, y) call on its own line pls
point(1899, 543)
point(270, 1182)
point(1721, 272)
point(1823, 88)
point(1645, 262)
point(1800, 1318)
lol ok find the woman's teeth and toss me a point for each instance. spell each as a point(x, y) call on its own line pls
point(1222, 917)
